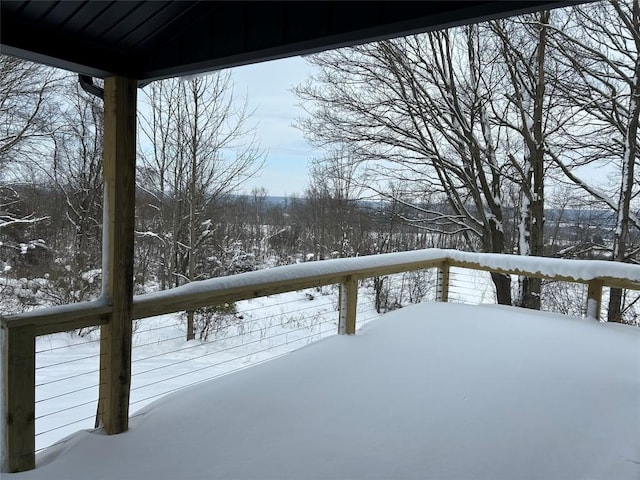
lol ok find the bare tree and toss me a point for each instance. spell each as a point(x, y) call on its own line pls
point(26, 109)
point(600, 46)
point(331, 200)
point(409, 109)
point(77, 172)
point(202, 148)
point(73, 171)
point(528, 114)
point(26, 124)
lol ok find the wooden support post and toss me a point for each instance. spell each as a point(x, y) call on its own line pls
point(117, 243)
point(594, 299)
point(348, 303)
point(18, 398)
point(442, 290)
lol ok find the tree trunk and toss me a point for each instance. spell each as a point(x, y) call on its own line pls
point(503, 288)
point(614, 313)
point(192, 213)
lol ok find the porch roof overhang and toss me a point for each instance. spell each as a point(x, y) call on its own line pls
point(151, 40)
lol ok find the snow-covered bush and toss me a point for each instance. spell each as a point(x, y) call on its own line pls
point(213, 320)
point(563, 297)
point(396, 291)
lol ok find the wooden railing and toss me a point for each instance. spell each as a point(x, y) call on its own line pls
point(19, 331)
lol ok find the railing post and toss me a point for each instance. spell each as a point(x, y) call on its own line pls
point(117, 243)
point(348, 303)
point(442, 291)
point(594, 299)
point(18, 398)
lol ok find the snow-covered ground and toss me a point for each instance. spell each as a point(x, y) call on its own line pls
point(429, 391)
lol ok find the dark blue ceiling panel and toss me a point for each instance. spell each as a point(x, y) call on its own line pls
point(149, 40)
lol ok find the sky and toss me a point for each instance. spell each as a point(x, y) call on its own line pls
point(268, 88)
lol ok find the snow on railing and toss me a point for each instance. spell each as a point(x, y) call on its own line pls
point(19, 332)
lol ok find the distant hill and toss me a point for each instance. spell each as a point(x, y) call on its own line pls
point(601, 218)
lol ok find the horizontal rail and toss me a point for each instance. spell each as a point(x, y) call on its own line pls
point(259, 284)
point(61, 318)
point(296, 277)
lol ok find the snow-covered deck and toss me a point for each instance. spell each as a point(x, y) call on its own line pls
point(431, 391)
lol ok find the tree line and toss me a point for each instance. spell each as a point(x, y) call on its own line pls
point(464, 138)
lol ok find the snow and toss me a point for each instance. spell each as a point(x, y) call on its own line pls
point(100, 304)
point(430, 391)
point(90, 275)
point(583, 270)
